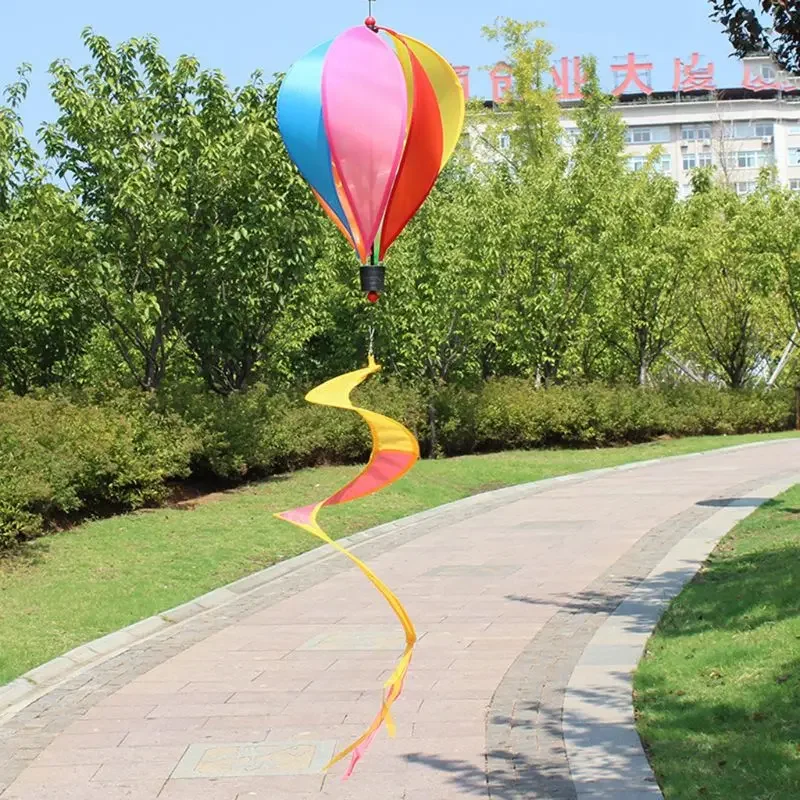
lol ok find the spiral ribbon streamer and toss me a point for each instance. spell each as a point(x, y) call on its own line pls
point(394, 452)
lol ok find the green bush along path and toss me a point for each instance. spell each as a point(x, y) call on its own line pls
point(718, 693)
point(66, 455)
point(62, 590)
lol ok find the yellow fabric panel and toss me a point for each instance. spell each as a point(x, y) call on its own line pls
point(448, 90)
point(392, 436)
point(336, 392)
point(405, 60)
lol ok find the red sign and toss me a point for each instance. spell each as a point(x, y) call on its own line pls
point(569, 79)
point(759, 83)
point(463, 76)
point(501, 82)
point(691, 77)
point(633, 75)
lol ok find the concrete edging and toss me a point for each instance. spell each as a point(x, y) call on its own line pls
point(605, 755)
point(39, 681)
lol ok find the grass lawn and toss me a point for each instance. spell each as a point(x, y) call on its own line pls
point(718, 695)
point(75, 586)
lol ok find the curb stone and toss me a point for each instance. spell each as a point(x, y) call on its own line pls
point(37, 682)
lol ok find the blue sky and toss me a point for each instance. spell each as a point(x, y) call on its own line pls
point(239, 36)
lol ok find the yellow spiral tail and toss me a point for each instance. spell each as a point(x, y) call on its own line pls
point(394, 452)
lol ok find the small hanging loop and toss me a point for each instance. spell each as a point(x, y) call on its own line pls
point(370, 21)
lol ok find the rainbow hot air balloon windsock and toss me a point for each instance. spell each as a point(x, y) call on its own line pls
point(370, 119)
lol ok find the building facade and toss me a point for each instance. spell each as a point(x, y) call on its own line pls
point(738, 131)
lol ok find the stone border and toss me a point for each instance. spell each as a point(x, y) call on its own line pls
point(39, 681)
point(605, 755)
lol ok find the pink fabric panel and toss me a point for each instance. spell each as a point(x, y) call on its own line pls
point(385, 467)
point(365, 108)
point(301, 516)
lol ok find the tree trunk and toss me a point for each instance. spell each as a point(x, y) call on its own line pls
point(433, 430)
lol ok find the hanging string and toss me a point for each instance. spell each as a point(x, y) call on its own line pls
point(371, 346)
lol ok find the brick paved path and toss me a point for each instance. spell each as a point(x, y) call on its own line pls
point(248, 700)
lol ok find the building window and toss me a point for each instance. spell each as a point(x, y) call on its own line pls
point(766, 72)
point(663, 165)
point(647, 135)
point(505, 141)
point(749, 130)
point(743, 188)
point(794, 184)
point(695, 160)
point(794, 156)
point(636, 163)
point(764, 129)
point(794, 129)
point(751, 159)
point(746, 159)
point(696, 133)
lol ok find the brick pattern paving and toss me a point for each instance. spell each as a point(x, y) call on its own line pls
point(527, 757)
point(505, 592)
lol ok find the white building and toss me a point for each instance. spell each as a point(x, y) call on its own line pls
point(739, 131)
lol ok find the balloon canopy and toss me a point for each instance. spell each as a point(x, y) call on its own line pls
point(370, 119)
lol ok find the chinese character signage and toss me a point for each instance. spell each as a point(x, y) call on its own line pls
point(568, 78)
point(501, 82)
point(633, 75)
point(691, 77)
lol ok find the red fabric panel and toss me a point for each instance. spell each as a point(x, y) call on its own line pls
point(422, 159)
point(384, 468)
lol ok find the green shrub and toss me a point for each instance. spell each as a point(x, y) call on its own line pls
point(255, 433)
point(58, 457)
point(509, 413)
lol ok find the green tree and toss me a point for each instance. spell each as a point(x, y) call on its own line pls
point(553, 245)
point(732, 284)
point(433, 322)
point(44, 318)
point(771, 26)
point(645, 251)
point(200, 224)
point(256, 236)
point(533, 103)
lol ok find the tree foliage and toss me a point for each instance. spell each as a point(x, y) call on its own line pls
point(201, 226)
point(174, 248)
point(762, 26)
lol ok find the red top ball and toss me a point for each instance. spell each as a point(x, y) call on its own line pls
point(371, 23)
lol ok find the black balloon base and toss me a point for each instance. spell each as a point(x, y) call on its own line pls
point(373, 278)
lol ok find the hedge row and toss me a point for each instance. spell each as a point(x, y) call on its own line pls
point(60, 456)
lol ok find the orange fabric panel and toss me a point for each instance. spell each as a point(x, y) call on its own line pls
point(327, 209)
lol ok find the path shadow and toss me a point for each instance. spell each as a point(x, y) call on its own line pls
point(511, 777)
point(734, 502)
